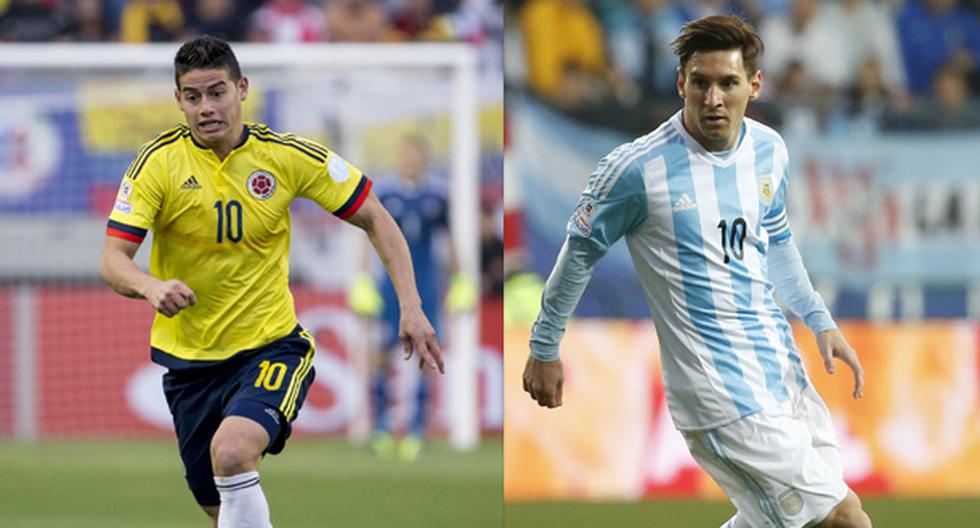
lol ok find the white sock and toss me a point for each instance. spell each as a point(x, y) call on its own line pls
point(243, 504)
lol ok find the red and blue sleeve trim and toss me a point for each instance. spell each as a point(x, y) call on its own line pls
point(356, 199)
point(125, 232)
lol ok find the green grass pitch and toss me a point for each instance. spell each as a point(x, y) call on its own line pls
point(885, 513)
point(314, 483)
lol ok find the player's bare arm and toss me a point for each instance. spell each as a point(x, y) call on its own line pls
point(544, 380)
point(414, 329)
point(117, 269)
point(832, 344)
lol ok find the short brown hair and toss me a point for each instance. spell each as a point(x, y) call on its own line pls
point(718, 33)
point(204, 53)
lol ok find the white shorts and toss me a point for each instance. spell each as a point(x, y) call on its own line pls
point(780, 467)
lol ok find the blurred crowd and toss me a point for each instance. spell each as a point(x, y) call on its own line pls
point(844, 67)
point(479, 22)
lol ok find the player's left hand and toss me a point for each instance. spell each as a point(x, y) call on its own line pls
point(832, 344)
point(417, 335)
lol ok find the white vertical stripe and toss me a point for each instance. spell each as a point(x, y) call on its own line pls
point(719, 273)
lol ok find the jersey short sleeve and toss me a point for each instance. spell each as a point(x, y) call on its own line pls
point(331, 181)
point(139, 198)
point(613, 204)
point(776, 220)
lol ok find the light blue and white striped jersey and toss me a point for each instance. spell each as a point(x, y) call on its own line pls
point(698, 227)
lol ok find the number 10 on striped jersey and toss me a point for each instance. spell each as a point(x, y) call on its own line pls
point(734, 239)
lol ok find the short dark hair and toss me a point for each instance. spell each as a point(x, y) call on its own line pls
point(718, 33)
point(206, 52)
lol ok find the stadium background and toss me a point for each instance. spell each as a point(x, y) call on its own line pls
point(75, 375)
point(878, 103)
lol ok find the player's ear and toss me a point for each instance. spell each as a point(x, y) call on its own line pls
point(755, 84)
point(177, 95)
point(680, 81)
point(243, 87)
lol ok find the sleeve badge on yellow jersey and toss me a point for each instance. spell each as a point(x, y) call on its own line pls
point(125, 190)
point(123, 206)
point(261, 185)
point(337, 168)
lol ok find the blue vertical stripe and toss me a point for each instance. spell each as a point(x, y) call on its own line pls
point(697, 283)
point(791, 352)
point(729, 205)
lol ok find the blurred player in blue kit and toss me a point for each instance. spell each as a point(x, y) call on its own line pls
point(420, 207)
point(701, 201)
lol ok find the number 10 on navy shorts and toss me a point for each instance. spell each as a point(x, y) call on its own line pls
point(266, 384)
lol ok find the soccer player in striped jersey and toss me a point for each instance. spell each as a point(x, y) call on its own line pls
point(216, 193)
point(701, 203)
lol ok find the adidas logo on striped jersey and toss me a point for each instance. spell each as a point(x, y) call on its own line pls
point(191, 183)
point(684, 203)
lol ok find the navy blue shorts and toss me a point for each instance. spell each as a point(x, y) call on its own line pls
point(267, 384)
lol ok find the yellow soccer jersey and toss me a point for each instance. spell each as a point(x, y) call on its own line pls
point(222, 227)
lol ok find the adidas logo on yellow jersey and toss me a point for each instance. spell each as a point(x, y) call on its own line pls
point(191, 183)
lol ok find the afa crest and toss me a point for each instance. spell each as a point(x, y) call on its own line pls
point(765, 189)
point(791, 501)
point(261, 185)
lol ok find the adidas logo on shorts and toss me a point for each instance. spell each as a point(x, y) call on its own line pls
point(191, 183)
point(272, 412)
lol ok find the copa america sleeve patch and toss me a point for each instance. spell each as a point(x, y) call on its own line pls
point(125, 190)
point(583, 214)
point(337, 169)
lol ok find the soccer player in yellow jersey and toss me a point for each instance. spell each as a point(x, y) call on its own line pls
point(216, 193)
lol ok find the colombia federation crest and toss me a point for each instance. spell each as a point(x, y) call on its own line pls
point(261, 185)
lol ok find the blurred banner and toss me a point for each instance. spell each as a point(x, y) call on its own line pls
point(67, 137)
point(915, 432)
point(92, 375)
point(863, 209)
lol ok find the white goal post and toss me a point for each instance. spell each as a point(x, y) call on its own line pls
point(462, 148)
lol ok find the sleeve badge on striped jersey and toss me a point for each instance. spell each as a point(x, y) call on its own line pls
point(261, 185)
point(125, 189)
point(765, 189)
point(583, 214)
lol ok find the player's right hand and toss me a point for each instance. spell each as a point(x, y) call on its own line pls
point(544, 381)
point(418, 336)
point(170, 297)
